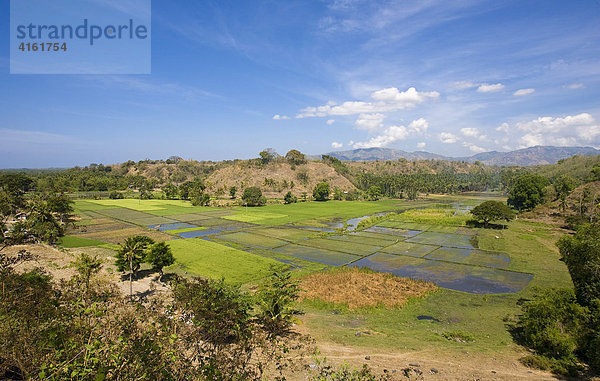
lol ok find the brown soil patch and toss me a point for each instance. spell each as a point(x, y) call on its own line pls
point(434, 364)
point(57, 262)
point(363, 288)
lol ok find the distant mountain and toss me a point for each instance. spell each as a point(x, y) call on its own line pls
point(534, 155)
point(524, 157)
point(370, 154)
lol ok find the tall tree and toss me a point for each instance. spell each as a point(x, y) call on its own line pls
point(527, 192)
point(373, 193)
point(253, 197)
point(131, 255)
point(581, 254)
point(267, 155)
point(492, 210)
point(160, 256)
point(295, 157)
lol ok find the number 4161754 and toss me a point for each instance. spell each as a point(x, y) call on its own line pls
point(42, 47)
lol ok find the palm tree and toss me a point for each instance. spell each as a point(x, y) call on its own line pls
point(131, 255)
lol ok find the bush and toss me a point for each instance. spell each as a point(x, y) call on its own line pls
point(527, 192)
point(114, 195)
point(59, 331)
point(373, 193)
point(253, 197)
point(302, 176)
point(295, 157)
point(220, 311)
point(289, 198)
point(160, 256)
point(581, 254)
point(549, 364)
point(275, 298)
point(352, 195)
point(551, 324)
point(322, 191)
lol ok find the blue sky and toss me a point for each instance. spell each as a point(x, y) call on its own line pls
point(231, 78)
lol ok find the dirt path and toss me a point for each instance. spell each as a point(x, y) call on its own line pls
point(429, 364)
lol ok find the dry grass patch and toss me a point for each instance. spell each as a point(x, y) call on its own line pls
point(359, 287)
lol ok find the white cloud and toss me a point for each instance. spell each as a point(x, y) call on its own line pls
point(280, 117)
point(504, 127)
point(418, 126)
point(522, 92)
point(370, 122)
point(474, 148)
point(389, 99)
point(486, 88)
point(464, 85)
point(472, 132)
point(574, 86)
point(390, 135)
point(395, 133)
point(575, 130)
point(330, 122)
point(337, 145)
point(421, 145)
point(448, 138)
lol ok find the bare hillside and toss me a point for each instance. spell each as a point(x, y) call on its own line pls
point(275, 178)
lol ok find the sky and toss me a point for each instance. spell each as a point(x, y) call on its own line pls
point(230, 78)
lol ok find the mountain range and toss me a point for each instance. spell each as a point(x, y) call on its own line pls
point(523, 157)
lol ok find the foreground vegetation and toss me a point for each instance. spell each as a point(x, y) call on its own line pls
point(202, 329)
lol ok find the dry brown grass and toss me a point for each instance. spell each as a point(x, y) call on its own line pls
point(362, 288)
point(253, 176)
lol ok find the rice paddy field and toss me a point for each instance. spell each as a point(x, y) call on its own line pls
point(480, 273)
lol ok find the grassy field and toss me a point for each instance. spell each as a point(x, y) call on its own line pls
point(216, 261)
point(530, 247)
point(73, 241)
point(273, 215)
point(247, 241)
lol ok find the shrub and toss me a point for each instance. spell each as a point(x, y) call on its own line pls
point(114, 195)
point(275, 298)
point(322, 191)
point(160, 256)
point(352, 195)
point(527, 192)
point(253, 197)
point(295, 157)
point(289, 198)
point(551, 324)
point(373, 193)
point(581, 254)
point(302, 175)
